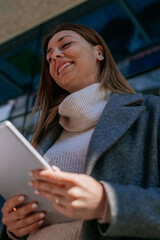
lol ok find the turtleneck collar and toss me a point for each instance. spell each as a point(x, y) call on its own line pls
point(81, 110)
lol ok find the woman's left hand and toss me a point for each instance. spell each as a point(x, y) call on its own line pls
point(75, 195)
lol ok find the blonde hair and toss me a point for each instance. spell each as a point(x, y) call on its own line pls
point(50, 95)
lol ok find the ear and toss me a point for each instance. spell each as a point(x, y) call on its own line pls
point(99, 52)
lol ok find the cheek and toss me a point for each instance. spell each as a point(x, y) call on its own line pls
point(88, 56)
point(52, 72)
point(89, 64)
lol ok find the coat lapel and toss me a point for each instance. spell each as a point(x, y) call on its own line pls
point(119, 114)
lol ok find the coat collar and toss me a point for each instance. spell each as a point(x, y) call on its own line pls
point(119, 114)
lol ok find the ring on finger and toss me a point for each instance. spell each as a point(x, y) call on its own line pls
point(57, 200)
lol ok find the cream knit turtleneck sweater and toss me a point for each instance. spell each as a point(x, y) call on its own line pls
point(79, 114)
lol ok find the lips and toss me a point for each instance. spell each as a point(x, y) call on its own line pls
point(62, 66)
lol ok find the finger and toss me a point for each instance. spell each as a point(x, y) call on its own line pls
point(53, 190)
point(27, 229)
point(55, 168)
point(67, 209)
point(24, 210)
point(12, 202)
point(58, 177)
point(50, 187)
point(28, 220)
point(19, 213)
point(76, 192)
point(62, 200)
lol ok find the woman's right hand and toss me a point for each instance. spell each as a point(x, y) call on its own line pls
point(21, 220)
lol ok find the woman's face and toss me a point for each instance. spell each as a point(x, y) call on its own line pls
point(73, 62)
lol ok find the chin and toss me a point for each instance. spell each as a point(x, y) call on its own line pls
point(67, 85)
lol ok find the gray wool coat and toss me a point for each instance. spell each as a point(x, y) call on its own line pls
point(124, 154)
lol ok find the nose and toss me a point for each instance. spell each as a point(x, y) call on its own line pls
point(57, 54)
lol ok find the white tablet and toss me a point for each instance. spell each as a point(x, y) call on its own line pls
point(17, 159)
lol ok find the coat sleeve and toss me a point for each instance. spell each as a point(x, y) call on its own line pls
point(135, 212)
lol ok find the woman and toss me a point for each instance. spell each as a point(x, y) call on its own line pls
point(103, 140)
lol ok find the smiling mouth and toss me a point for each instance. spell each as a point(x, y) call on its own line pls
point(64, 66)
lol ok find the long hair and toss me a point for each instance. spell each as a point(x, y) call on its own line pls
point(50, 95)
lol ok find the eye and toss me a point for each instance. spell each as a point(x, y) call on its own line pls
point(66, 45)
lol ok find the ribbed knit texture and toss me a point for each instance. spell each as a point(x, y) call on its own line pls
point(79, 113)
point(62, 231)
point(81, 110)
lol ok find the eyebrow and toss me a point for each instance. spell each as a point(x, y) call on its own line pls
point(59, 40)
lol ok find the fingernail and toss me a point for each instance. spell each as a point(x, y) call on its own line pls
point(34, 205)
point(42, 215)
point(36, 192)
point(30, 174)
point(21, 198)
point(55, 168)
point(30, 184)
point(40, 222)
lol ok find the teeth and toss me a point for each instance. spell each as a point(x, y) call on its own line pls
point(63, 66)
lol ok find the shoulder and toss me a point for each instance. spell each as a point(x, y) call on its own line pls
point(152, 98)
point(152, 101)
point(152, 105)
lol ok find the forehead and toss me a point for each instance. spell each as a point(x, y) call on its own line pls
point(64, 34)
